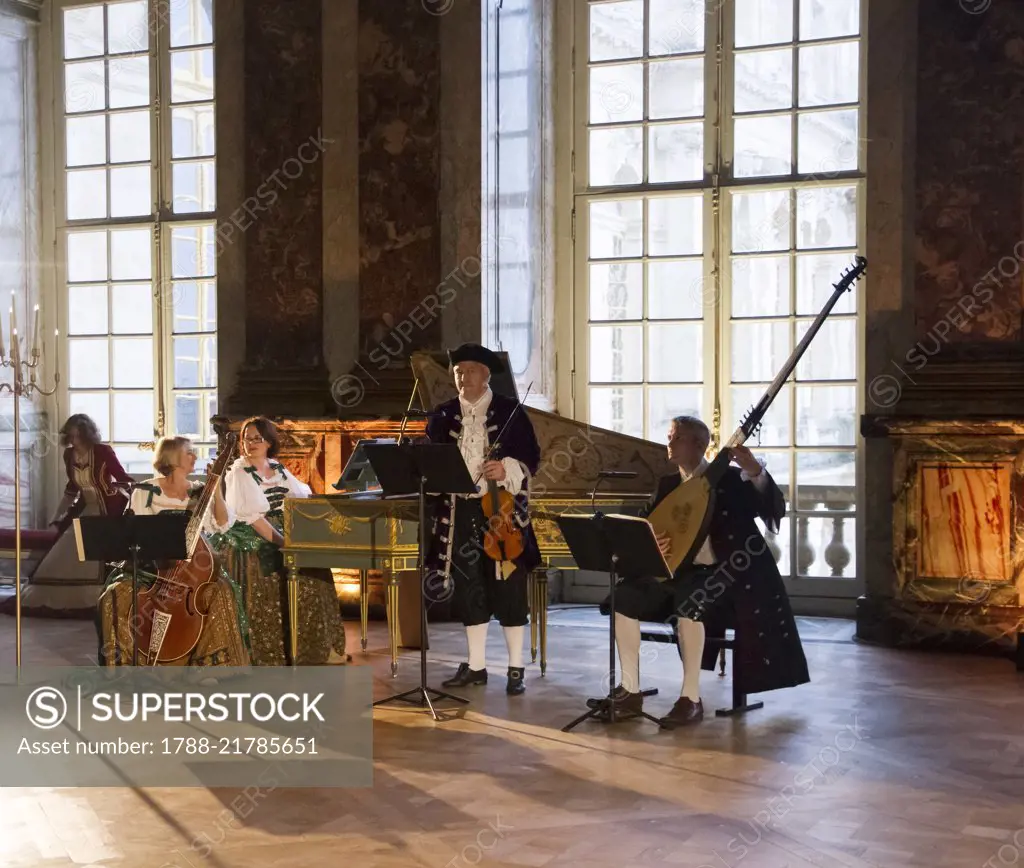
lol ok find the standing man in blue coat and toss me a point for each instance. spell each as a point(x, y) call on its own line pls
point(478, 420)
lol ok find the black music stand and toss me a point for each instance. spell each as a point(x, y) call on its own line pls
point(122, 537)
point(410, 469)
point(612, 544)
point(357, 473)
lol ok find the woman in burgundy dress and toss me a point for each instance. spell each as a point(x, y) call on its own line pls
point(62, 586)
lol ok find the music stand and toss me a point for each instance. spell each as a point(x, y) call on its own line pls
point(357, 473)
point(413, 468)
point(120, 537)
point(612, 544)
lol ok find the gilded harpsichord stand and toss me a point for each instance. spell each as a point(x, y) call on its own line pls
point(957, 435)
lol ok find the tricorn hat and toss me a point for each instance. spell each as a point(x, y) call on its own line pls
point(476, 353)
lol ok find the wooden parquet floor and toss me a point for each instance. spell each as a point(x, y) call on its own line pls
point(888, 758)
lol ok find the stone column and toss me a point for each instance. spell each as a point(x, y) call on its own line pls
point(889, 286)
point(349, 186)
point(279, 221)
point(419, 122)
point(461, 153)
point(341, 185)
point(399, 61)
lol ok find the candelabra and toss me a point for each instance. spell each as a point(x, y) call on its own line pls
point(25, 380)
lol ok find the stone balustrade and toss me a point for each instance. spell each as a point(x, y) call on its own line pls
point(825, 532)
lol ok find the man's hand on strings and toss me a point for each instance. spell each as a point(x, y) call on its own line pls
point(664, 543)
point(494, 470)
point(745, 459)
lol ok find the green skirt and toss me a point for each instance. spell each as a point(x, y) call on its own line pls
point(257, 567)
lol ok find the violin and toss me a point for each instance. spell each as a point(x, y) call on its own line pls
point(503, 539)
point(173, 610)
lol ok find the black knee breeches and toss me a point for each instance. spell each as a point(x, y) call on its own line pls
point(480, 592)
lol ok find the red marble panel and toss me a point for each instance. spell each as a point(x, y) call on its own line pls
point(970, 151)
point(965, 521)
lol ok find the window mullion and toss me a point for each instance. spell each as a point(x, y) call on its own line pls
point(163, 289)
point(645, 126)
point(717, 248)
point(160, 60)
point(163, 292)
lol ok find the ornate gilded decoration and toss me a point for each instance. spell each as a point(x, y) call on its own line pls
point(548, 534)
point(339, 524)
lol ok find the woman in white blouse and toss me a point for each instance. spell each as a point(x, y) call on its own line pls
point(256, 486)
point(224, 639)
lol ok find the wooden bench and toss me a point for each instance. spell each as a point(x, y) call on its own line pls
point(666, 633)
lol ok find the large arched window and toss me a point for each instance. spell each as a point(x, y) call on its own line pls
point(134, 201)
point(718, 187)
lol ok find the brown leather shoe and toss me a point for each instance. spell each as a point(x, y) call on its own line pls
point(684, 713)
point(627, 705)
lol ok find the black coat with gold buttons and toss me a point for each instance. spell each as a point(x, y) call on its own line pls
point(746, 592)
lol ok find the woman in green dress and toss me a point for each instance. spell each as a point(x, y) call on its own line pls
point(224, 637)
point(255, 488)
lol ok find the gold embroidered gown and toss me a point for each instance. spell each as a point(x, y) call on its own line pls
point(61, 585)
point(257, 566)
point(225, 637)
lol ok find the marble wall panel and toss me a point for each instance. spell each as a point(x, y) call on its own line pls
point(283, 145)
point(970, 154)
point(965, 521)
point(399, 238)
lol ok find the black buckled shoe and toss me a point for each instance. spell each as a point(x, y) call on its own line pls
point(516, 684)
point(466, 677)
point(627, 706)
point(598, 702)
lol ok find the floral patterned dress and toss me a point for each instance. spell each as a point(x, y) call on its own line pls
point(225, 637)
point(258, 568)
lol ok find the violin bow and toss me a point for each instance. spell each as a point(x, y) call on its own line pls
point(501, 433)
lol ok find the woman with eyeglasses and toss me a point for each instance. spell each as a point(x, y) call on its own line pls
point(256, 486)
point(224, 640)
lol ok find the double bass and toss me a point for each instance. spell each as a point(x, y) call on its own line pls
point(685, 514)
point(172, 611)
